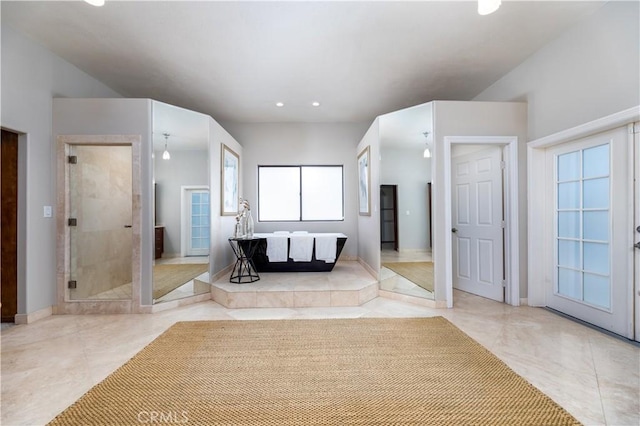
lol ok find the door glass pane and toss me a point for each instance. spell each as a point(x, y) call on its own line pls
point(199, 223)
point(569, 224)
point(596, 193)
point(569, 166)
point(596, 225)
point(570, 283)
point(569, 254)
point(596, 290)
point(596, 258)
point(101, 243)
point(595, 161)
point(583, 233)
point(569, 195)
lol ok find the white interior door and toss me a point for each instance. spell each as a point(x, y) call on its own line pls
point(592, 224)
point(478, 223)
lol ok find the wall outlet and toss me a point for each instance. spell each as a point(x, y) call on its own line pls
point(48, 211)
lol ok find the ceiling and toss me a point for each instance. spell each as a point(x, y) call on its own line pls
point(235, 60)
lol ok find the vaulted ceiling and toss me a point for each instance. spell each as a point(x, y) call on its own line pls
point(235, 60)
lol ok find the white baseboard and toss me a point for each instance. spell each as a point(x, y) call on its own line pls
point(34, 316)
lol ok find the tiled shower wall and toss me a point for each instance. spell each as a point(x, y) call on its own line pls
point(100, 198)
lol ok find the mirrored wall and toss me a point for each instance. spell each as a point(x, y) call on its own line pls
point(405, 202)
point(181, 203)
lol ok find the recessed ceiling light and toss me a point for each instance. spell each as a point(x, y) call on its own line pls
point(95, 2)
point(315, 103)
point(279, 104)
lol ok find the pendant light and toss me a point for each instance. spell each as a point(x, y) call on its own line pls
point(165, 154)
point(427, 151)
point(486, 7)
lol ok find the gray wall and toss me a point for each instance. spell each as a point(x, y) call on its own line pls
point(184, 168)
point(590, 71)
point(31, 77)
point(117, 117)
point(477, 119)
point(311, 143)
point(407, 168)
point(369, 226)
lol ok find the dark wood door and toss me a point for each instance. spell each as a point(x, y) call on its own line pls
point(389, 215)
point(9, 219)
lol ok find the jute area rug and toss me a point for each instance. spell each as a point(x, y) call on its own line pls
point(168, 277)
point(420, 273)
point(370, 371)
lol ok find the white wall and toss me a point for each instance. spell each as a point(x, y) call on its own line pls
point(453, 118)
point(185, 168)
point(590, 71)
point(117, 117)
point(407, 168)
point(221, 226)
point(302, 144)
point(369, 226)
point(31, 77)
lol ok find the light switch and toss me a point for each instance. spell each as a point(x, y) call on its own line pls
point(48, 211)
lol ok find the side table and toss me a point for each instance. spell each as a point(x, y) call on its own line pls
point(244, 271)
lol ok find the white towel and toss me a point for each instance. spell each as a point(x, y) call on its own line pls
point(277, 248)
point(301, 248)
point(326, 246)
point(300, 232)
point(281, 232)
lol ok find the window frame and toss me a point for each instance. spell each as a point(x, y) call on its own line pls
point(300, 167)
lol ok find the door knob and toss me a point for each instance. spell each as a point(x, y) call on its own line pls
point(638, 228)
point(127, 226)
point(637, 245)
point(454, 230)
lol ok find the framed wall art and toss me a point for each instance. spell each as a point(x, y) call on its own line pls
point(229, 182)
point(364, 182)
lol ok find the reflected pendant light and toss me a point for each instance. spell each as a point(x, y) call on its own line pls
point(486, 7)
point(427, 151)
point(165, 154)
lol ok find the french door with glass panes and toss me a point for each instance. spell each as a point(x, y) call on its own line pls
point(592, 214)
point(198, 223)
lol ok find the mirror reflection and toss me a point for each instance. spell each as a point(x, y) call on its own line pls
point(405, 202)
point(181, 203)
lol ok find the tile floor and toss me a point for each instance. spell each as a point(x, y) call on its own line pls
point(391, 281)
point(49, 364)
point(190, 288)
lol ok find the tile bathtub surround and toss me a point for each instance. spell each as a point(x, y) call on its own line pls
point(47, 365)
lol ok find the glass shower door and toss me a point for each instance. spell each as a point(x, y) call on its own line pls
point(100, 233)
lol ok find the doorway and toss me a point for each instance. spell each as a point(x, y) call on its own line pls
point(9, 219)
point(195, 221)
point(509, 148)
point(104, 177)
point(591, 228)
point(389, 217)
point(478, 217)
point(100, 221)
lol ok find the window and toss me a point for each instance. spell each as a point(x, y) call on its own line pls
point(300, 193)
